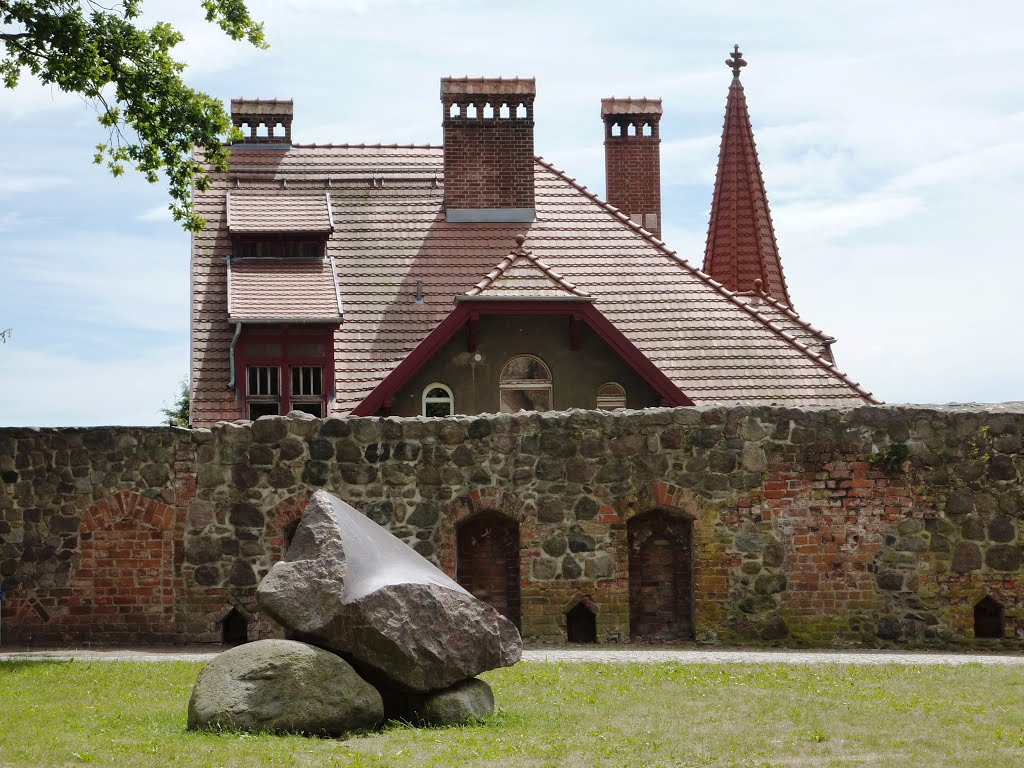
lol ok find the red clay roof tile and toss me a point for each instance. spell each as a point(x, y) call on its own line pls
point(391, 233)
point(741, 245)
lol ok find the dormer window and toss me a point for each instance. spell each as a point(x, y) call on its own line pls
point(279, 248)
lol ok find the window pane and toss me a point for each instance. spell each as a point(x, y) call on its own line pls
point(262, 409)
point(514, 400)
point(317, 409)
point(442, 408)
point(437, 392)
point(525, 368)
point(307, 380)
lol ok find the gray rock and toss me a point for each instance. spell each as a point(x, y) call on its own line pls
point(282, 686)
point(463, 702)
point(350, 586)
point(469, 700)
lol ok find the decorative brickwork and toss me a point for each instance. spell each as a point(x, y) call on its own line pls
point(870, 526)
point(488, 143)
point(632, 159)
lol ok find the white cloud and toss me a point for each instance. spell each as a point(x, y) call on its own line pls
point(102, 279)
point(54, 386)
point(19, 185)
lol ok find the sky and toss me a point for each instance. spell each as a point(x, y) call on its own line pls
point(890, 138)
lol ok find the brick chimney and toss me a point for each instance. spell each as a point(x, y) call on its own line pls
point(632, 159)
point(488, 148)
point(263, 121)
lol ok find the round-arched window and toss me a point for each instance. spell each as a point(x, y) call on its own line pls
point(611, 397)
point(524, 385)
point(438, 400)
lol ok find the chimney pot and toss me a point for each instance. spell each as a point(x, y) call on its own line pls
point(263, 121)
point(632, 155)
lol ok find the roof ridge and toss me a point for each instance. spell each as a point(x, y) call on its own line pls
point(791, 313)
point(730, 295)
point(347, 145)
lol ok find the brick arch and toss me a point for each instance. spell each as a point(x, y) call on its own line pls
point(481, 534)
point(461, 508)
point(107, 512)
point(489, 499)
point(126, 578)
point(660, 545)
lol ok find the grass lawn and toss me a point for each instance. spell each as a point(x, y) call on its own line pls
point(133, 714)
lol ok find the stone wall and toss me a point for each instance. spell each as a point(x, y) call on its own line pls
point(876, 525)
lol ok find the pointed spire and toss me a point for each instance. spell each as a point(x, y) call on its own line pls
point(741, 247)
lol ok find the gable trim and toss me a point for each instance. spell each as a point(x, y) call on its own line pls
point(669, 393)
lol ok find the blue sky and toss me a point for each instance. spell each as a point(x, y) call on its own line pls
point(890, 135)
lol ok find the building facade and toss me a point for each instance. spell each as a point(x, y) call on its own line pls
point(476, 277)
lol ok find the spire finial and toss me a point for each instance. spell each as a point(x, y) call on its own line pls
point(736, 61)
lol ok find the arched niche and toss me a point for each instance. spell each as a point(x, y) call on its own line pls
point(487, 562)
point(581, 622)
point(989, 616)
point(660, 575)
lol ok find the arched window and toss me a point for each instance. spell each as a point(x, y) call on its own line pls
point(525, 385)
point(611, 397)
point(438, 400)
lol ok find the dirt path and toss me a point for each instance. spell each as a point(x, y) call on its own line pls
point(569, 654)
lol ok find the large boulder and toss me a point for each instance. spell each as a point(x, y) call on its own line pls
point(348, 585)
point(282, 686)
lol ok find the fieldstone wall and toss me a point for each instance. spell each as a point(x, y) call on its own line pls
point(868, 526)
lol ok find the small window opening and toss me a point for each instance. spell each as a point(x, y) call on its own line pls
point(647, 129)
point(263, 409)
point(521, 110)
point(279, 130)
point(246, 130)
point(616, 129)
point(471, 111)
point(488, 111)
point(263, 391)
point(611, 397)
point(524, 385)
point(234, 628)
point(438, 400)
point(455, 111)
point(308, 389)
point(504, 112)
point(631, 130)
point(581, 624)
point(262, 131)
point(989, 615)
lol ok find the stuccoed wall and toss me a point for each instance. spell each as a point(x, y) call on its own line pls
point(799, 537)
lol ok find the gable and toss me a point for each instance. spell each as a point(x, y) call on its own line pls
point(400, 265)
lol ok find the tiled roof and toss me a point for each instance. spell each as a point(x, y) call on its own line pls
point(301, 290)
point(522, 275)
point(741, 246)
point(391, 233)
point(279, 213)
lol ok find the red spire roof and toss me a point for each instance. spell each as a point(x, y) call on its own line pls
point(741, 245)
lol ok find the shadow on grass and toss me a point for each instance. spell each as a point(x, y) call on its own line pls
point(9, 666)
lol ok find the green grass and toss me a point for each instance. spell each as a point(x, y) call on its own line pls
point(579, 715)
